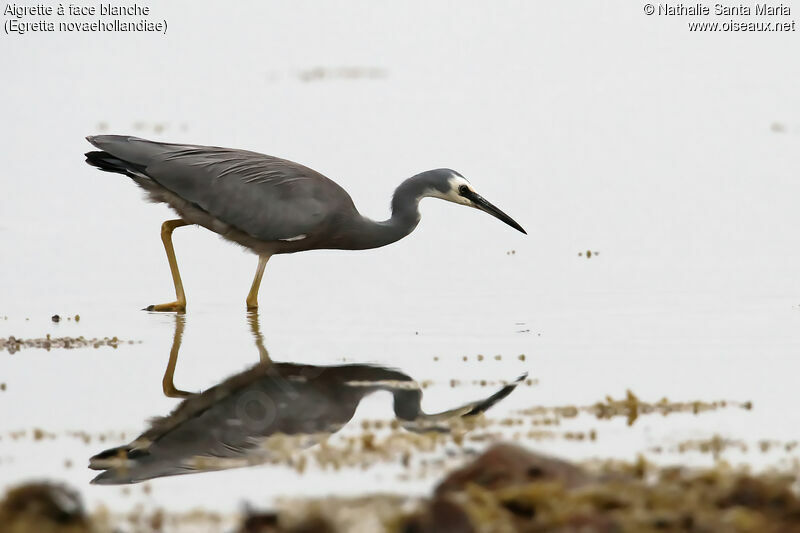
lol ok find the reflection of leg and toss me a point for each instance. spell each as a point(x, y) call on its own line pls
point(255, 328)
point(252, 296)
point(167, 384)
point(180, 298)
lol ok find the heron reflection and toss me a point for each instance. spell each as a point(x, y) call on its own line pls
point(237, 422)
point(168, 382)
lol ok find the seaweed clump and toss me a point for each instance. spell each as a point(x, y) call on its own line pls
point(631, 408)
point(43, 508)
point(13, 344)
point(504, 490)
point(511, 489)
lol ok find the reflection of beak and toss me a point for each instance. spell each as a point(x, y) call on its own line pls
point(438, 422)
point(481, 203)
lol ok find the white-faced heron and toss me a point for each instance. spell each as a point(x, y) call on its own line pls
point(270, 205)
point(251, 417)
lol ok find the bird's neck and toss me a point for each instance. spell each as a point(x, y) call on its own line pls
point(405, 216)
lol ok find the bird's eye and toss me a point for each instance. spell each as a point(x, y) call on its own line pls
point(463, 190)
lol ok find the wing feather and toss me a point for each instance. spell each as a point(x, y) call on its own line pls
point(267, 197)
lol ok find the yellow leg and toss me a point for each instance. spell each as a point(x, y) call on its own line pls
point(180, 298)
point(255, 329)
point(167, 383)
point(252, 296)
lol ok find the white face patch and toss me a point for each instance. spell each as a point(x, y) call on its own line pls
point(452, 194)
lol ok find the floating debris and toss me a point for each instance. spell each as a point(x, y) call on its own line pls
point(767, 445)
point(778, 127)
point(39, 434)
point(717, 445)
point(156, 127)
point(714, 445)
point(588, 254)
point(631, 408)
point(55, 318)
point(340, 73)
point(13, 344)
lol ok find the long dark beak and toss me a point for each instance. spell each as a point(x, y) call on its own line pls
point(484, 205)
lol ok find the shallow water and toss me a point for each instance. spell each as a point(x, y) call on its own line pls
point(663, 157)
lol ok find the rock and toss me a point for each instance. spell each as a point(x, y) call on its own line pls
point(441, 515)
point(44, 508)
point(505, 465)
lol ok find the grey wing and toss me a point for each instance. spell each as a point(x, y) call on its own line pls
point(267, 197)
point(256, 424)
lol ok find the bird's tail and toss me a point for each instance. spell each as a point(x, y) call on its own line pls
point(110, 163)
point(116, 462)
point(129, 464)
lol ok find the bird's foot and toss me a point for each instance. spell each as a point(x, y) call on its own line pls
point(170, 391)
point(168, 307)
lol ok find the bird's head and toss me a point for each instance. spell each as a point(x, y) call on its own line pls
point(451, 186)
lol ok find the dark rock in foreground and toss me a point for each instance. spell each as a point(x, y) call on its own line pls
point(511, 489)
point(506, 489)
point(43, 508)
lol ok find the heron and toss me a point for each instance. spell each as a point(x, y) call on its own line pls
point(266, 413)
point(267, 204)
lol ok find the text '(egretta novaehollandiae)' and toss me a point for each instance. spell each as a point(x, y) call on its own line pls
point(270, 205)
